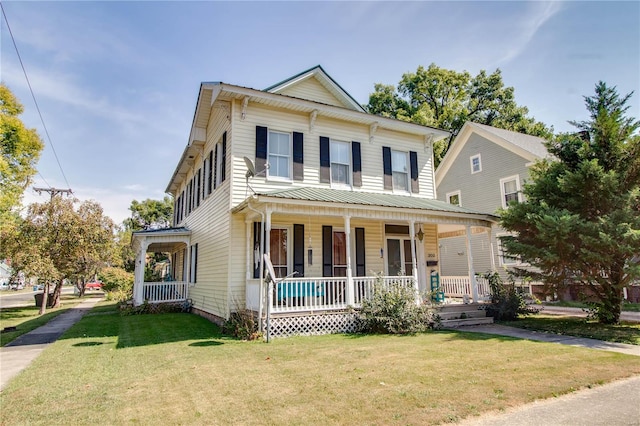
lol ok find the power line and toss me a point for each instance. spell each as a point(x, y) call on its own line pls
point(34, 98)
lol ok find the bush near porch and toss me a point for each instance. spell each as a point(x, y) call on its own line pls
point(179, 369)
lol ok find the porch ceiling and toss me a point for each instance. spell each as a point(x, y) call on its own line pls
point(160, 240)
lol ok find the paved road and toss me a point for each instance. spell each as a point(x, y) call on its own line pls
point(11, 299)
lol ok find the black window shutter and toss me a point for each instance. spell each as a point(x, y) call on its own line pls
point(357, 163)
point(223, 163)
point(198, 179)
point(195, 264)
point(261, 150)
point(327, 251)
point(210, 178)
point(386, 167)
point(256, 249)
point(298, 156)
point(361, 269)
point(298, 249)
point(413, 159)
point(215, 167)
point(325, 162)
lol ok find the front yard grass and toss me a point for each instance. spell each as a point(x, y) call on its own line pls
point(625, 332)
point(179, 369)
point(626, 307)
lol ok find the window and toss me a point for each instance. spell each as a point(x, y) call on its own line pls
point(279, 253)
point(454, 198)
point(476, 164)
point(510, 189)
point(219, 164)
point(400, 170)
point(340, 162)
point(339, 254)
point(279, 149)
point(504, 257)
point(194, 264)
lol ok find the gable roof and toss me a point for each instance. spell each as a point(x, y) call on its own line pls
point(531, 148)
point(325, 80)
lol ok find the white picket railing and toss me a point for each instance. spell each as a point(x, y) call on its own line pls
point(325, 293)
point(461, 286)
point(166, 291)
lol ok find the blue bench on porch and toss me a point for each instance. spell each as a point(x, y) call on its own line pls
point(287, 290)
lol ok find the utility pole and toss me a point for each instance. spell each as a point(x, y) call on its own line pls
point(53, 191)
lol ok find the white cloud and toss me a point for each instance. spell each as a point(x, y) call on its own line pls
point(535, 17)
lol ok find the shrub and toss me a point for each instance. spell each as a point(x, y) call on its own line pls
point(127, 308)
point(117, 283)
point(393, 309)
point(242, 324)
point(506, 301)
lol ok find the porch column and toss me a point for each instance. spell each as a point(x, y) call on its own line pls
point(414, 264)
point(472, 274)
point(347, 234)
point(138, 295)
point(491, 252)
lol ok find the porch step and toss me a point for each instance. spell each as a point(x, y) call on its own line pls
point(455, 323)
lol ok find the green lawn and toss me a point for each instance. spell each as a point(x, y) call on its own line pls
point(178, 369)
point(629, 307)
point(626, 332)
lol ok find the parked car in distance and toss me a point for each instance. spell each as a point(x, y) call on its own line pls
point(94, 285)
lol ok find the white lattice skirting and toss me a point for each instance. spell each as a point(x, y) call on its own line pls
point(308, 325)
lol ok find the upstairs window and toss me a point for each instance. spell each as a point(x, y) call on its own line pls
point(340, 162)
point(400, 170)
point(279, 149)
point(510, 189)
point(476, 164)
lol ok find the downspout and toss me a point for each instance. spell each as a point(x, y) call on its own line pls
point(260, 308)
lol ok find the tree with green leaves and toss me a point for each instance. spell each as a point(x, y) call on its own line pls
point(150, 214)
point(56, 242)
point(20, 150)
point(446, 99)
point(580, 223)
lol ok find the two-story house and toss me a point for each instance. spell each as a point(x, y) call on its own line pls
point(484, 169)
point(335, 197)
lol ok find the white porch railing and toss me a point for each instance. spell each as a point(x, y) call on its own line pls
point(460, 286)
point(166, 291)
point(325, 293)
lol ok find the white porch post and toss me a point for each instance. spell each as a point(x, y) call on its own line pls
point(491, 252)
point(347, 234)
point(138, 295)
point(472, 274)
point(414, 263)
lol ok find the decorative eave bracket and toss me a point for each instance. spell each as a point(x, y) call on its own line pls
point(245, 102)
point(312, 119)
point(372, 131)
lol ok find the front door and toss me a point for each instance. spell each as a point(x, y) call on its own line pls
point(399, 256)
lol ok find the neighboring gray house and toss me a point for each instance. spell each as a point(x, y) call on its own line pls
point(483, 170)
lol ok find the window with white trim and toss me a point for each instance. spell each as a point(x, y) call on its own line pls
point(219, 165)
point(454, 198)
point(279, 155)
point(504, 258)
point(510, 190)
point(193, 278)
point(400, 170)
point(476, 164)
point(340, 155)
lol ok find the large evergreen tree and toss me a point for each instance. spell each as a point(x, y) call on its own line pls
point(446, 99)
point(580, 223)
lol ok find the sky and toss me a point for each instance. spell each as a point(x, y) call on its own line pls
point(117, 82)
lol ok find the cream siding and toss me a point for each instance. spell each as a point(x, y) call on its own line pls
point(313, 90)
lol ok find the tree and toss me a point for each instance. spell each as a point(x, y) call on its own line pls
point(150, 214)
point(580, 222)
point(446, 99)
point(20, 149)
point(55, 242)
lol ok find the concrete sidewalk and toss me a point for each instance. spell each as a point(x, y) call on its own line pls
point(520, 333)
point(579, 312)
point(17, 355)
